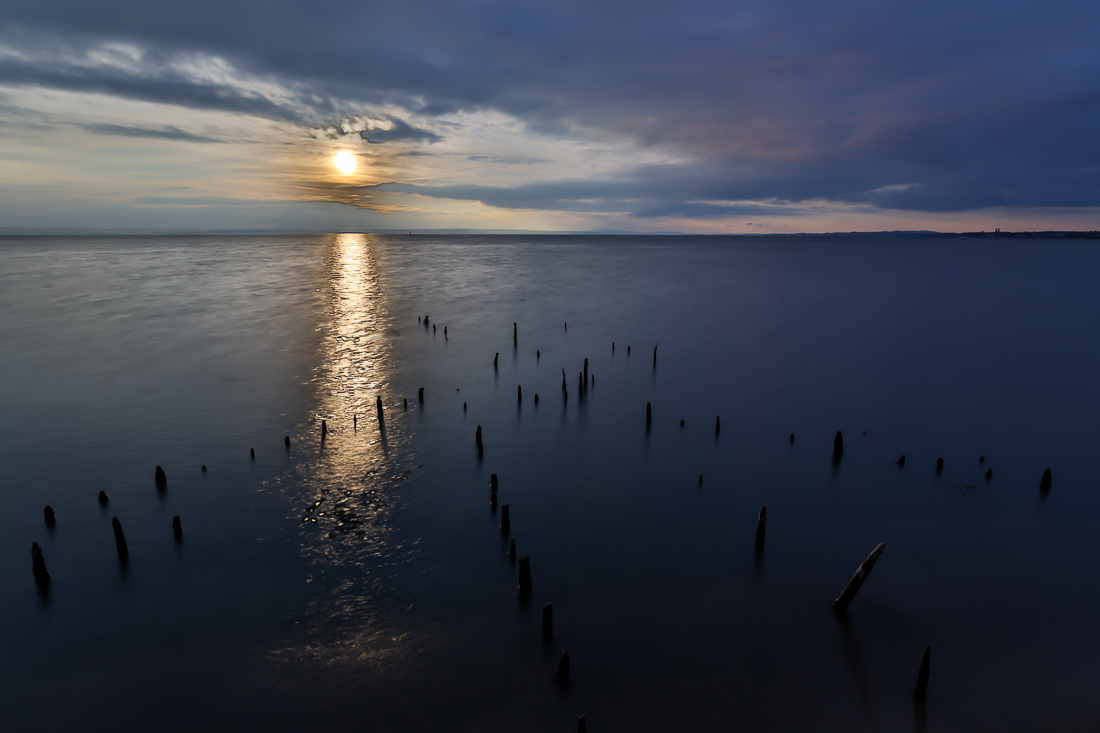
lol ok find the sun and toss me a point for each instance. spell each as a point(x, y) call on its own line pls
point(344, 162)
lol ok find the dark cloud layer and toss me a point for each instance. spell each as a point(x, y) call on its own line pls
point(931, 106)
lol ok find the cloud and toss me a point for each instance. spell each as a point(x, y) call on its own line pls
point(905, 107)
point(167, 132)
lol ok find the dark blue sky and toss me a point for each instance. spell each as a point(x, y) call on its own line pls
point(696, 116)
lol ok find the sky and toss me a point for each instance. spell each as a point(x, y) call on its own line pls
point(697, 117)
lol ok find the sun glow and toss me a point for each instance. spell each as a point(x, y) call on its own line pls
point(344, 162)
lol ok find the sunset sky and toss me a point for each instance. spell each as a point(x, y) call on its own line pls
point(710, 117)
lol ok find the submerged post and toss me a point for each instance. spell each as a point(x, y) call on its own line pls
point(495, 360)
point(286, 441)
point(849, 593)
point(378, 407)
point(103, 498)
point(493, 483)
point(160, 479)
point(582, 725)
point(505, 518)
point(792, 437)
point(901, 461)
point(525, 573)
point(761, 526)
point(420, 395)
point(586, 371)
point(324, 428)
point(515, 333)
point(548, 621)
point(563, 667)
point(922, 673)
point(177, 527)
point(512, 550)
point(717, 425)
point(838, 444)
point(648, 413)
point(48, 514)
point(655, 355)
point(477, 437)
point(939, 465)
point(1044, 483)
point(519, 392)
point(120, 538)
point(38, 565)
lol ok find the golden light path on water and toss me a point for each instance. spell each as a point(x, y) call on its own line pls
point(349, 487)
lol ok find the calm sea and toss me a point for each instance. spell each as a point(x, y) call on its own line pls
point(362, 581)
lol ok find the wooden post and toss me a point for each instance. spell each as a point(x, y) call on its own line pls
point(838, 444)
point(700, 479)
point(505, 518)
point(38, 565)
point(988, 473)
point(103, 498)
point(420, 395)
point(849, 593)
point(563, 667)
point(901, 461)
point(252, 453)
point(655, 355)
point(717, 425)
point(586, 371)
point(120, 538)
point(648, 413)
point(1044, 483)
point(177, 527)
point(160, 479)
point(525, 573)
point(536, 398)
point(378, 407)
point(477, 435)
point(548, 621)
point(939, 465)
point(515, 333)
point(582, 725)
point(761, 526)
point(286, 441)
point(792, 437)
point(324, 428)
point(406, 402)
point(519, 392)
point(922, 673)
point(512, 550)
point(50, 518)
point(493, 483)
point(495, 360)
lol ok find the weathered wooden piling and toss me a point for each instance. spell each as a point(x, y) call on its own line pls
point(47, 512)
point(563, 667)
point(681, 423)
point(655, 355)
point(160, 478)
point(838, 444)
point(988, 474)
point(177, 527)
point(901, 461)
point(493, 501)
point(849, 593)
point(494, 484)
point(536, 398)
point(939, 465)
point(463, 405)
point(792, 437)
point(378, 407)
point(252, 453)
point(567, 325)
point(433, 328)
point(519, 392)
point(38, 566)
point(103, 498)
point(761, 526)
point(981, 459)
point(324, 428)
point(204, 468)
point(444, 331)
point(1044, 482)
point(512, 549)
point(922, 673)
point(515, 333)
point(420, 395)
point(548, 621)
point(495, 360)
point(717, 425)
point(477, 435)
point(628, 349)
point(425, 321)
point(582, 725)
point(505, 517)
point(612, 347)
point(120, 538)
point(580, 382)
point(538, 354)
point(648, 413)
point(405, 402)
point(286, 441)
point(586, 371)
point(525, 574)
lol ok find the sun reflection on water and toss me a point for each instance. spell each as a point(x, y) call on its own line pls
point(348, 482)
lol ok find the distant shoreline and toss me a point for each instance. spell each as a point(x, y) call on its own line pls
point(997, 234)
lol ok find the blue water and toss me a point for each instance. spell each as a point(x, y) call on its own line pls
point(362, 581)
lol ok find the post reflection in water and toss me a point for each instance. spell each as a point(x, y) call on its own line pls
point(346, 484)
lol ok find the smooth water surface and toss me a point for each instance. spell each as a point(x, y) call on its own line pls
point(362, 581)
